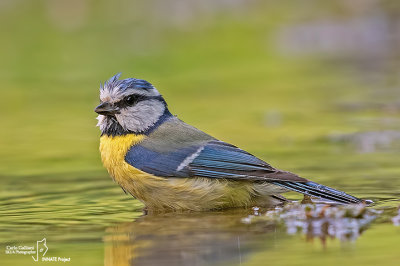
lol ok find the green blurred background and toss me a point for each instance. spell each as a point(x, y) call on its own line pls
point(309, 86)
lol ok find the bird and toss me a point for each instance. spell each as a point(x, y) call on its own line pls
point(172, 166)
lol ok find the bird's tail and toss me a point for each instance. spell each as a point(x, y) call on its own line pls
point(316, 190)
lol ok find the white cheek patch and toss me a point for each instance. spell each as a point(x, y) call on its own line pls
point(142, 116)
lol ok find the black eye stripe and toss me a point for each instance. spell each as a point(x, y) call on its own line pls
point(133, 99)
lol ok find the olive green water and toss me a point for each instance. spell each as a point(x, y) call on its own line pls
point(235, 70)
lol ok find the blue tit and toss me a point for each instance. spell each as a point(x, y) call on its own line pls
point(170, 165)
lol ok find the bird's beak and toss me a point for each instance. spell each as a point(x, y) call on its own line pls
point(107, 109)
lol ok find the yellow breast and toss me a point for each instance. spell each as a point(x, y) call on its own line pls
point(113, 151)
point(131, 179)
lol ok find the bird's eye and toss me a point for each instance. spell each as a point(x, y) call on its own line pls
point(130, 100)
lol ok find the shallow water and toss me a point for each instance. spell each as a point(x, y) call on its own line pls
point(87, 218)
point(247, 72)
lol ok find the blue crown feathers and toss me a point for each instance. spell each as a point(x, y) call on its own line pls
point(125, 84)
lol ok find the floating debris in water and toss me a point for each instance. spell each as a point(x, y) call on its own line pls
point(256, 210)
point(321, 220)
point(396, 219)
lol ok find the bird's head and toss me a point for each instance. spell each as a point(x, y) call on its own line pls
point(129, 106)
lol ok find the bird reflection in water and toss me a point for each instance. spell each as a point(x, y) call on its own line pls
point(187, 239)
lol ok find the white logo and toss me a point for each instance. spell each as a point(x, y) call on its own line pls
point(40, 250)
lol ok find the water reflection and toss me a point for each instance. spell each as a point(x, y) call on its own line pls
point(187, 239)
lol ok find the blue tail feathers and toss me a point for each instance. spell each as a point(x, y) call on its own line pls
point(320, 191)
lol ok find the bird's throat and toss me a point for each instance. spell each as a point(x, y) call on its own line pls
point(112, 128)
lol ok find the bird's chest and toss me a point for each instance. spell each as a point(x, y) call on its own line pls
point(113, 151)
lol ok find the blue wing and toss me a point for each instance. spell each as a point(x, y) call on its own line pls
point(214, 159)
point(217, 159)
point(162, 164)
point(176, 149)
